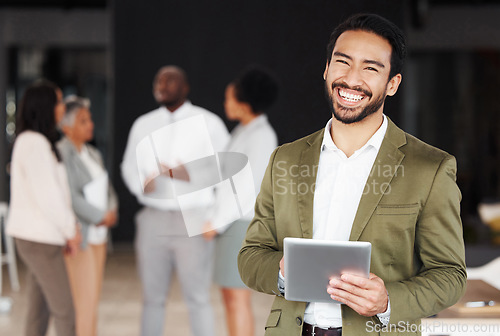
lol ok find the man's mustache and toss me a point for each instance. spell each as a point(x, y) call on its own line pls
point(355, 88)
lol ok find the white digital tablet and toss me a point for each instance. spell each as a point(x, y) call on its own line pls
point(311, 263)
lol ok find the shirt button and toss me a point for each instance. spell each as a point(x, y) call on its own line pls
point(299, 321)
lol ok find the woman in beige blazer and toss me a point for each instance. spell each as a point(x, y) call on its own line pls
point(95, 205)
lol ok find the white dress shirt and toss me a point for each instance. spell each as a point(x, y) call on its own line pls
point(40, 202)
point(256, 140)
point(175, 146)
point(339, 186)
point(96, 235)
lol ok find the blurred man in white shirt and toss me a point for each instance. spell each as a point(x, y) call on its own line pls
point(155, 166)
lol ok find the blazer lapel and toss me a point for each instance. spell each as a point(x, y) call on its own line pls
point(308, 170)
point(76, 163)
point(385, 167)
point(94, 154)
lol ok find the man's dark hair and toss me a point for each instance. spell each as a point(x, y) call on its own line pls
point(36, 112)
point(380, 26)
point(257, 87)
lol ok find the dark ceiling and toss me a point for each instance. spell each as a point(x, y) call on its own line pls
point(55, 3)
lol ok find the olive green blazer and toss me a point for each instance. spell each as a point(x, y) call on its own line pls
point(409, 211)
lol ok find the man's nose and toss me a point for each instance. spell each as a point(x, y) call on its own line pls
point(353, 77)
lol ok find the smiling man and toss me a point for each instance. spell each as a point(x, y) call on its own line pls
point(410, 212)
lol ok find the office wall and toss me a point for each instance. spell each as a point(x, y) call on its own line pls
point(43, 29)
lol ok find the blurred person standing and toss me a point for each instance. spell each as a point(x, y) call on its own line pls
point(246, 99)
point(95, 204)
point(41, 218)
point(162, 243)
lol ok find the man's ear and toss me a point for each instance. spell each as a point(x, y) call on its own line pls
point(393, 84)
point(326, 70)
point(186, 90)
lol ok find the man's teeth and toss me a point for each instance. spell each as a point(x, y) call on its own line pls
point(349, 96)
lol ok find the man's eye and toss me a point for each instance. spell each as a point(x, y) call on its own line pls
point(342, 61)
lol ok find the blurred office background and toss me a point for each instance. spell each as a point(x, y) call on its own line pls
point(109, 51)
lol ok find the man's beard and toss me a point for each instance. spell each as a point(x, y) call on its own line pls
point(353, 118)
point(168, 100)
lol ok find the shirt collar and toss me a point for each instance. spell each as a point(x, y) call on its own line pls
point(254, 124)
point(375, 141)
point(84, 150)
point(260, 119)
point(180, 111)
point(73, 147)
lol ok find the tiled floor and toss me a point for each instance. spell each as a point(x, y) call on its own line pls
point(120, 306)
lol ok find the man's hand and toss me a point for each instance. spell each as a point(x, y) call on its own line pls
point(179, 173)
point(208, 231)
point(282, 266)
point(368, 297)
point(149, 184)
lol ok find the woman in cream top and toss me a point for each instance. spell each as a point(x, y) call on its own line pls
point(41, 218)
point(40, 204)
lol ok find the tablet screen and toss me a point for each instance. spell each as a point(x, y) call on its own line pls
point(311, 263)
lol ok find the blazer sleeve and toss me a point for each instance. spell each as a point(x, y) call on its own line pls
point(112, 198)
point(259, 257)
point(442, 277)
point(82, 208)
